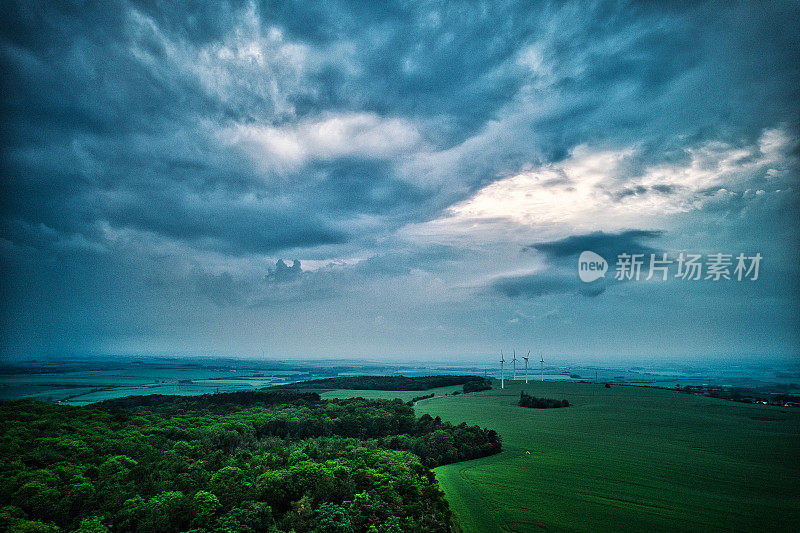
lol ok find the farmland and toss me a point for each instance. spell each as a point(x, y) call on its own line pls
point(623, 457)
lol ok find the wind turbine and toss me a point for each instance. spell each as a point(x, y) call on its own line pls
point(526, 365)
point(514, 362)
point(502, 378)
point(541, 367)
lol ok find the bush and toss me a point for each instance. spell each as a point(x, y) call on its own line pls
point(526, 400)
point(415, 399)
point(477, 385)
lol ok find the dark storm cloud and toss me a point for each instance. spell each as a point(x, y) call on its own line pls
point(560, 275)
point(112, 100)
point(351, 186)
point(149, 144)
point(557, 281)
point(535, 285)
point(421, 60)
point(605, 244)
point(220, 223)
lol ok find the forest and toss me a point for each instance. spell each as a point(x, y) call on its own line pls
point(412, 383)
point(247, 461)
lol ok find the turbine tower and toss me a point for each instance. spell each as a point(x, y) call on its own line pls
point(514, 362)
point(526, 365)
point(541, 367)
point(502, 377)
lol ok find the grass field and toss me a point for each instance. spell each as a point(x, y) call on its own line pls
point(632, 458)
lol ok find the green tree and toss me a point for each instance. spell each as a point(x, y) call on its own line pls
point(249, 518)
point(166, 512)
point(38, 499)
point(92, 525)
point(333, 518)
point(205, 506)
point(228, 484)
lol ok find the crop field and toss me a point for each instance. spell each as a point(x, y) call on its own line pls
point(85, 387)
point(624, 458)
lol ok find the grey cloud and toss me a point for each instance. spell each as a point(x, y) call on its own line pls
point(400, 262)
point(631, 191)
point(123, 202)
point(279, 283)
point(283, 272)
point(534, 285)
point(119, 81)
point(559, 275)
point(258, 286)
point(640, 190)
point(605, 244)
point(664, 188)
point(222, 288)
point(253, 287)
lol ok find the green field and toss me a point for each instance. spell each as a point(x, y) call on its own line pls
point(633, 458)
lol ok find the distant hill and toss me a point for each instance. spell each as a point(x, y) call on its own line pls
point(384, 382)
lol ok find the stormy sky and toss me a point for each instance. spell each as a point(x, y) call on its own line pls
point(411, 180)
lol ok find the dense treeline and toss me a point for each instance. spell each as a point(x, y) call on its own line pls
point(440, 443)
point(526, 400)
point(477, 385)
point(236, 399)
point(384, 382)
point(251, 461)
